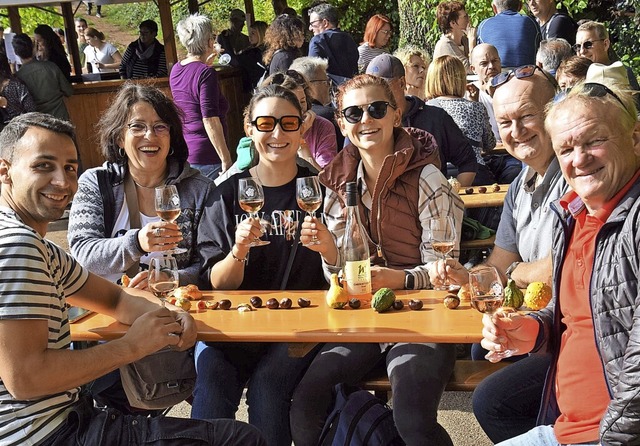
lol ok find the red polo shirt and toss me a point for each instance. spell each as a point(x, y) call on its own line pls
point(581, 387)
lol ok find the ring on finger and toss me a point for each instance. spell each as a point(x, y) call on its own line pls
point(156, 232)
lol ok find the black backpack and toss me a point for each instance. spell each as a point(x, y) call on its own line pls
point(359, 419)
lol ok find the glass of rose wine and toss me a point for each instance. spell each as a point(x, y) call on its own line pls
point(163, 276)
point(251, 200)
point(442, 235)
point(487, 295)
point(168, 208)
point(309, 197)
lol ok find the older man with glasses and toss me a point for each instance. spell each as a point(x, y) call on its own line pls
point(592, 42)
point(329, 42)
point(590, 327)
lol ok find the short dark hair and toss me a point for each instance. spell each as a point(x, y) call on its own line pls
point(18, 126)
point(22, 46)
point(326, 12)
point(150, 25)
point(113, 122)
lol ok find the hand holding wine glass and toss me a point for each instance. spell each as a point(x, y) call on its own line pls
point(168, 209)
point(163, 276)
point(487, 295)
point(309, 197)
point(251, 200)
point(442, 235)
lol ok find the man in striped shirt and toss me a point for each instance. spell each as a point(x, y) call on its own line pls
point(40, 377)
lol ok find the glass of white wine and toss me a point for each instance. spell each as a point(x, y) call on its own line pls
point(442, 235)
point(163, 276)
point(168, 208)
point(487, 295)
point(251, 200)
point(309, 197)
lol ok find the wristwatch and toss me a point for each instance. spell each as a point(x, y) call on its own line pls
point(511, 268)
point(409, 280)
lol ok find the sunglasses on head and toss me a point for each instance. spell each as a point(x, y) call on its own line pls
point(599, 91)
point(377, 110)
point(279, 78)
point(521, 73)
point(289, 123)
point(587, 45)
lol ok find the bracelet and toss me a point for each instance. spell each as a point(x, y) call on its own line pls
point(237, 259)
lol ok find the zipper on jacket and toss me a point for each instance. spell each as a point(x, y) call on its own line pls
point(378, 225)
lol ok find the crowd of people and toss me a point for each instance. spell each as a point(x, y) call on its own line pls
point(396, 125)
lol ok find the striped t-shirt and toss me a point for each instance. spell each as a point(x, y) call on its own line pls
point(36, 277)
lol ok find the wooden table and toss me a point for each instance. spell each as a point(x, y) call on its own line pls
point(488, 199)
point(317, 323)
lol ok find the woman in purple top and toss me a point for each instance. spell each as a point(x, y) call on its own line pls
point(195, 89)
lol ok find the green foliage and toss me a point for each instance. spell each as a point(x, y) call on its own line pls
point(32, 17)
point(623, 29)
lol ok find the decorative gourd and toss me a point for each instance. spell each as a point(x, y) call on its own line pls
point(513, 297)
point(336, 296)
point(383, 299)
point(537, 296)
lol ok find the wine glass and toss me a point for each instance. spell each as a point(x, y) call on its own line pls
point(163, 276)
point(251, 200)
point(442, 235)
point(487, 295)
point(168, 208)
point(309, 197)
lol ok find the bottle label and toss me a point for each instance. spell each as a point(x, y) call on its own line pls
point(357, 276)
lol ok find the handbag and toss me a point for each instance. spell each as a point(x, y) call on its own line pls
point(159, 380)
point(166, 377)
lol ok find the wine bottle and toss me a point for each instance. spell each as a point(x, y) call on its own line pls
point(355, 251)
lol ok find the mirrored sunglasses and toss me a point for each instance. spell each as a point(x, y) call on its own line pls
point(522, 72)
point(354, 113)
point(287, 123)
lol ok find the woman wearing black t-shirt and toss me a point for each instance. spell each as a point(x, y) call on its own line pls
point(274, 121)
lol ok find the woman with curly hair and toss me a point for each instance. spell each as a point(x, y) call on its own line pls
point(415, 61)
point(49, 47)
point(453, 21)
point(283, 40)
point(377, 35)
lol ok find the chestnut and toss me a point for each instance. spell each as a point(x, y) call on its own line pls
point(354, 303)
point(256, 301)
point(469, 190)
point(451, 301)
point(398, 305)
point(482, 190)
point(225, 304)
point(495, 187)
point(285, 303)
point(272, 304)
point(212, 304)
point(415, 304)
point(303, 303)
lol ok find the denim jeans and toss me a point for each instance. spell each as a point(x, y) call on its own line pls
point(208, 170)
point(88, 426)
point(266, 369)
point(539, 436)
point(418, 374)
point(507, 402)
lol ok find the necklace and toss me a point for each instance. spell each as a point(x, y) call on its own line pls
point(148, 187)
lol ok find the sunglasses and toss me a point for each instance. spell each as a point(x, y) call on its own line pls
point(287, 123)
point(521, 73)
point(586, 45)
point(377, 110)
point(599, 91)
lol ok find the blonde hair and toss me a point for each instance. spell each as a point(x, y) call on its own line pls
point(446, 76)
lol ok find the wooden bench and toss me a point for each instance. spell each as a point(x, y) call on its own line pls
point(466, 376)
point(466, 245)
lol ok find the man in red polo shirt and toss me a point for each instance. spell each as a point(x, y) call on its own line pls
point(591, 394)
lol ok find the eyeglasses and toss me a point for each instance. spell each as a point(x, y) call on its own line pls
point(314, 23)
point(599, 91)
point(320, 81)
point(521, 73)
point(289, 123)
point(586, 45)
point(141, 129)
point(377, 110)
point(388, 32)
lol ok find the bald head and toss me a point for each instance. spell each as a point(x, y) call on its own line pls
point(485, 61)
point(519, 107)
